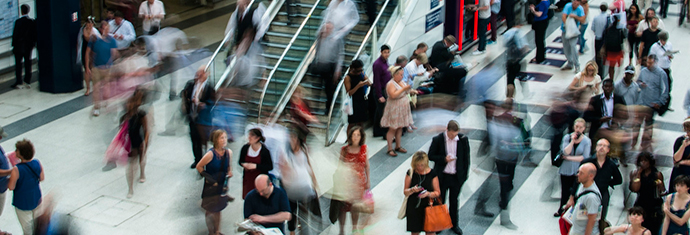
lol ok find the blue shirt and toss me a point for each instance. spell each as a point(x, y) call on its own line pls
point(568, 9)
point(542, 7)
point(254, 203)
point(103, 50)
point(27, 193)
point(4, 165)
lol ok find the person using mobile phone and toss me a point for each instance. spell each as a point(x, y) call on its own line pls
point(574, 148)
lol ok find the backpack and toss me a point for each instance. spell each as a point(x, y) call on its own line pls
point(613, 39)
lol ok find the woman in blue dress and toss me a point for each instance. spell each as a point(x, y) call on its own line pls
point(215, 167)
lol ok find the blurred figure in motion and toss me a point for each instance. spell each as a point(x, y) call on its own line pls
point(300, 185)
point(300, 113)
point(122, 30)
point(601, 109)
point(562, 116)
point(681, 154)
point(199, 97)
point(450, 152)
point(267, 205)
point(574, 149)
point(351, 180)
point(104, 52)
point(654, 90)
point(342, 15)
point(138, 130)
point(516, 49)
point(357, 85)
point(152, 12)
point(648, 182)
point(25, 182)
point(255, 159)
point(421, 186)
point(247, 17)
point(50, 222)
point(167, 53)
point(87, 34)
point(397, 114)
point(328, 61)
point(215, 167)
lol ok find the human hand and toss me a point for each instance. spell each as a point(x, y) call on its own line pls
point(686, 141)
point(257, 218)
point(572, 15)
point(655, 105)
point(382, 100)
point(570, 203)
point(573, 136)
point(229, 174)
point(604, 119)
point(249, 166)
point(363, 83)
point(449, 158)
point(643, 85)
point(423, 195)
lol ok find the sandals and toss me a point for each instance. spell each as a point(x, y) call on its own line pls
point(400, 149)
point(392, 153)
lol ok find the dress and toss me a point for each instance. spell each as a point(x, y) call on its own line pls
point(249, 175)
point(680, 169)
point(673, 228)
point(651, 205)
point(358, 163)
point(397, 113)
point(359, 104)
point(211, 195)
point(416, 207)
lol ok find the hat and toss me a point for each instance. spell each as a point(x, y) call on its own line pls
point(630, 69)
point(3, 134)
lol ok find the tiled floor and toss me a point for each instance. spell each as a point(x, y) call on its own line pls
point(71, 147)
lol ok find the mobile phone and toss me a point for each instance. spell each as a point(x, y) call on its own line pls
point(577, 136)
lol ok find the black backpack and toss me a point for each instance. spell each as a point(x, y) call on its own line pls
point(613, 37)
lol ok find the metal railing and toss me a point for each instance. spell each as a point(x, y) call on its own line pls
point(339, 90)
point(273, 115)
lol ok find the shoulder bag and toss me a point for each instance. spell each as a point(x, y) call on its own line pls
point(437, 217)
point(403, 208)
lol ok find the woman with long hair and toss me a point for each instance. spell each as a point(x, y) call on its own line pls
point(354, 157)
point(255, 159)
point(215, 167)
point(421, 185)
point(587, 81)
point(648, 183)
point(138, 130)
point(634, 16)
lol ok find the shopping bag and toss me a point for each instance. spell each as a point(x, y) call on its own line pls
point(119, 148)
point(437, 217)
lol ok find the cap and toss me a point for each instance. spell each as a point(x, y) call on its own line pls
point(3, 133)
point(630, 69)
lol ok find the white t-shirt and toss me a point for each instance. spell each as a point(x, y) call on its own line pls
point(154, 9)
point(484, 14)
point(586, 205)
point(664, 61)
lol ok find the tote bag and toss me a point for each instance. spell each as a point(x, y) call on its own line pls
point(571, 29)
point(437, 217)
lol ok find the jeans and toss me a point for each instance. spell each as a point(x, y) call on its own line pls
point(598, 57)
point(570, 50)
point(481, 33)
point(581, 38)
point(540, 37)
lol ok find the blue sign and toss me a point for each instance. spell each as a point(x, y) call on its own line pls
point(433, 19)
point(534, 77)
point(434, 3)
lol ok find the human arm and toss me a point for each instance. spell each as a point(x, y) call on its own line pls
point(532, 9)
point(367, 168)
point(266, 161)
point(437, 152)
point(204, 161)
point(87, 61)
point(664, 227)
point(409, 189)
point(436, 191)
point(14, 176)
point(243, 154)
point(396, 93)
point(635, 181)
point(616, 229)
point(274, 218)
point(379, 72)
point(348, 86)
point(674, 218)
point(591, 222)
point(679, 148)
point(128, 33)
point(574, 84)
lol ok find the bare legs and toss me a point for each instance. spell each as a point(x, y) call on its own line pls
point(341, 220)
point(397, 133)
point(213, 222)
point(136, 160)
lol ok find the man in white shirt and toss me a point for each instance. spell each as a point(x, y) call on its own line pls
point(450, 151)
point(122, 30)
point(660, 49)
point(587, 207)
point(646, 23)
point(416, 68)
point(152, 11)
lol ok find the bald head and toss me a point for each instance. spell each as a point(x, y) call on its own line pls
point(263, 185)
point(602, 148)
point(201, 74)
point(586, 174)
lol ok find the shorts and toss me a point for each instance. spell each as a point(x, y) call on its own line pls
point(614, 58)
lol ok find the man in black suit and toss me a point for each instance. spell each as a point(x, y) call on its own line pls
point(450, 151)
point(23, 42)
point(199, 97)
point(601, 107)
point(448, 79)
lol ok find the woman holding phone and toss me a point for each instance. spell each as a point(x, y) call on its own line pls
point(574, 148)
point(681, 154)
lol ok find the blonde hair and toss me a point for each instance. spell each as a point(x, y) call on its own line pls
point(582, 120)
point(420, 157)
point(422, 58)
point(593, 64)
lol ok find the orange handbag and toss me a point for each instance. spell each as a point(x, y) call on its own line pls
point(437, 217)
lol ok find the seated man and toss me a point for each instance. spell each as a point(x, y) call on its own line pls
point(122, 30)
point(267, 205)
point(448, 80)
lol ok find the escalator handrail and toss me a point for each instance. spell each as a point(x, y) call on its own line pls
point(340, 84)
point(271, 12)
point(282, 56)
point(222, 43)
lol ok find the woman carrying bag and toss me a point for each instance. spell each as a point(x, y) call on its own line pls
point(420, 187)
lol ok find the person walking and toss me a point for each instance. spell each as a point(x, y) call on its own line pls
point(516, 48)
point(215, 167)
point(601, 109)
point(354, 157)
point(634, 16)
point(138, 130)
point(24, 37)
point(25, 181)
point(599, 25)
point(613, 43)
point(450, 152)
point(647, 39)
point(573, 11)
point(539, 26)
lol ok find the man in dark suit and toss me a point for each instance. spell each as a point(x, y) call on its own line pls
point(450, 151)
point(601, 107)
point(199, 97)
point(23, 42)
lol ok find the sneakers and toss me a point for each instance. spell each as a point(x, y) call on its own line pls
point(478, 52)
point(490, 42)
point(567, 67)
point(577, 69)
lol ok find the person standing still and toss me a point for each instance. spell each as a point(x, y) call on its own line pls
point(575, 11)
point(588, 202)
point(484, 9)
point(381, 78)
point(151, 12)
point(24, 37)
point(539, 26)
point(450, 151)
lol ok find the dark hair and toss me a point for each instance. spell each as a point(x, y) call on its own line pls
point(648, 157)
point(110, 10)
point(119, 14)
point(652, 57)
point(636, 210)
point(608, 80)
point(385, 47)
point(363, 136)
point(453, 126)
point(682, 180)
point(25, 149)
point(25, 9)
point(356, 64)
point(603, 7)
point(258, 133)
point(629, 13)
point(422, 45)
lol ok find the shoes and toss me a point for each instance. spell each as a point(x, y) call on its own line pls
point(567, 67)
point(96, 113)
point(16, 86)
point(577, 69)
point(490, 42)
point(456, 230)
point(27, 86)
point(558, 213)
point(193, 165)
point(230, 198)
point(477, 52)
point(529, 163)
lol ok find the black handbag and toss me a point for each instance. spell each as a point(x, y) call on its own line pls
point(558, 160)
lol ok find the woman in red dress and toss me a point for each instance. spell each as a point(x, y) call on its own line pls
point(255, 159)
point(354, 156)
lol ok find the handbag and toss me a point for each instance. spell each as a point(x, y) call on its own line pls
point(571, 29)
point(558, 160)
point(347, 105)
point(366, 205)
point(403, 208)
point(437, 217)
point(119, 148)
